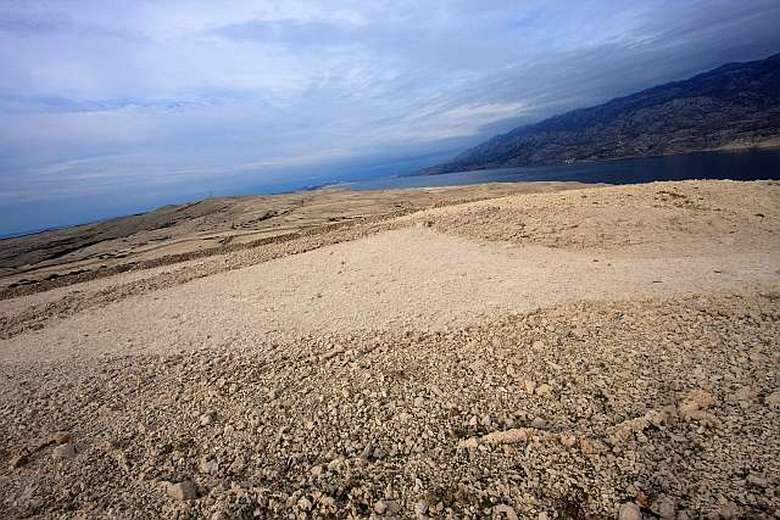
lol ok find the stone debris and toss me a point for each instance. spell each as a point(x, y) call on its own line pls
point(629, 511)
point(631, 427)
point(661, 404)
point(60, 437)
point(184, 490)
point(543, 390)
point(65, 451)
point(513, 436)
point(505, 512)
point(773, 400)
point(694, 401)
point(664, 507)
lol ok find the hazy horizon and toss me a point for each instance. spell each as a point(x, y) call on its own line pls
point(113, 110)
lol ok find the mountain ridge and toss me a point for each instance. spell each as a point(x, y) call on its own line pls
point(734, 105)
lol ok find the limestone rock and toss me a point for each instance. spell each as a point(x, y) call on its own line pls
point(184, 490)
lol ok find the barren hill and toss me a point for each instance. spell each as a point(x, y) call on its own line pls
point(570, 354)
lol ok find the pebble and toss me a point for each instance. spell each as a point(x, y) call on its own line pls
point(206, 465)
point(60, 437)
point(304, 504)
point(543, 390)
point(380, 507)
point(184, 490)
point(629, 511)
point(773, 400)
point(695, 400)
point(507, 512)
point(664, 507)
point(65, 451)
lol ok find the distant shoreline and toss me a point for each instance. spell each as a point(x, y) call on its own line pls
point(396, 182)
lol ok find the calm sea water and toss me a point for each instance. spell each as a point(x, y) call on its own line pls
point(745, 165)
point(738, 165)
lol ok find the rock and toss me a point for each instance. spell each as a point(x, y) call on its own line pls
point(513, 436)
point(421, 508)
point(368, 450)
point(695, 400)
point(746, 395)
point(469, 443)
point(704, 418)
point(317, 471)
point(60, 437)
point(758, 357)
point(184, 490)
point(65, 451)
point(542, 516)
point(207, 465)
point(665, 507)
point(567, 439)
point(757, 480)
point(508, 512)
point(543, 389)
point(304, 504)
point(627, 429)
point(529, 386)
point(664, 415)
point(591, 447)
point(773, 400)
point(380, 507)
point(206, 419)
point(419, 402)
point(19, 461)
point(728, 510)
point(629, 511)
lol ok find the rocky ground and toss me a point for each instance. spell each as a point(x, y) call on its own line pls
point(173, 234)
point(599, 353)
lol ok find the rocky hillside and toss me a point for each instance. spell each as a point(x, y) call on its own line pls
point(736, 105)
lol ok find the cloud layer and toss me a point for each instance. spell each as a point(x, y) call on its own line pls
point(180, 99)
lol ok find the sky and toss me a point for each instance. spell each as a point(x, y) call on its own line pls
point(109, 108)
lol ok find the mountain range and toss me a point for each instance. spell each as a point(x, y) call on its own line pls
point(734, 106)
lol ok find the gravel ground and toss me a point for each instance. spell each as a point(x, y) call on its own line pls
point(511, 358)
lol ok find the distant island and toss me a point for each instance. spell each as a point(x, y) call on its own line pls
point(734, 106)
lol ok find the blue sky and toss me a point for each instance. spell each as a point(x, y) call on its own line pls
point(113, 107)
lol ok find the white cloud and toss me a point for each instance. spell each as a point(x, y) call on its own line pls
point(195, 86)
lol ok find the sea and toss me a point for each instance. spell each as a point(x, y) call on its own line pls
point(743, 165)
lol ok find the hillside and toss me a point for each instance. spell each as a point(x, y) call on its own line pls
point(602, 352)
point(736, 105)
